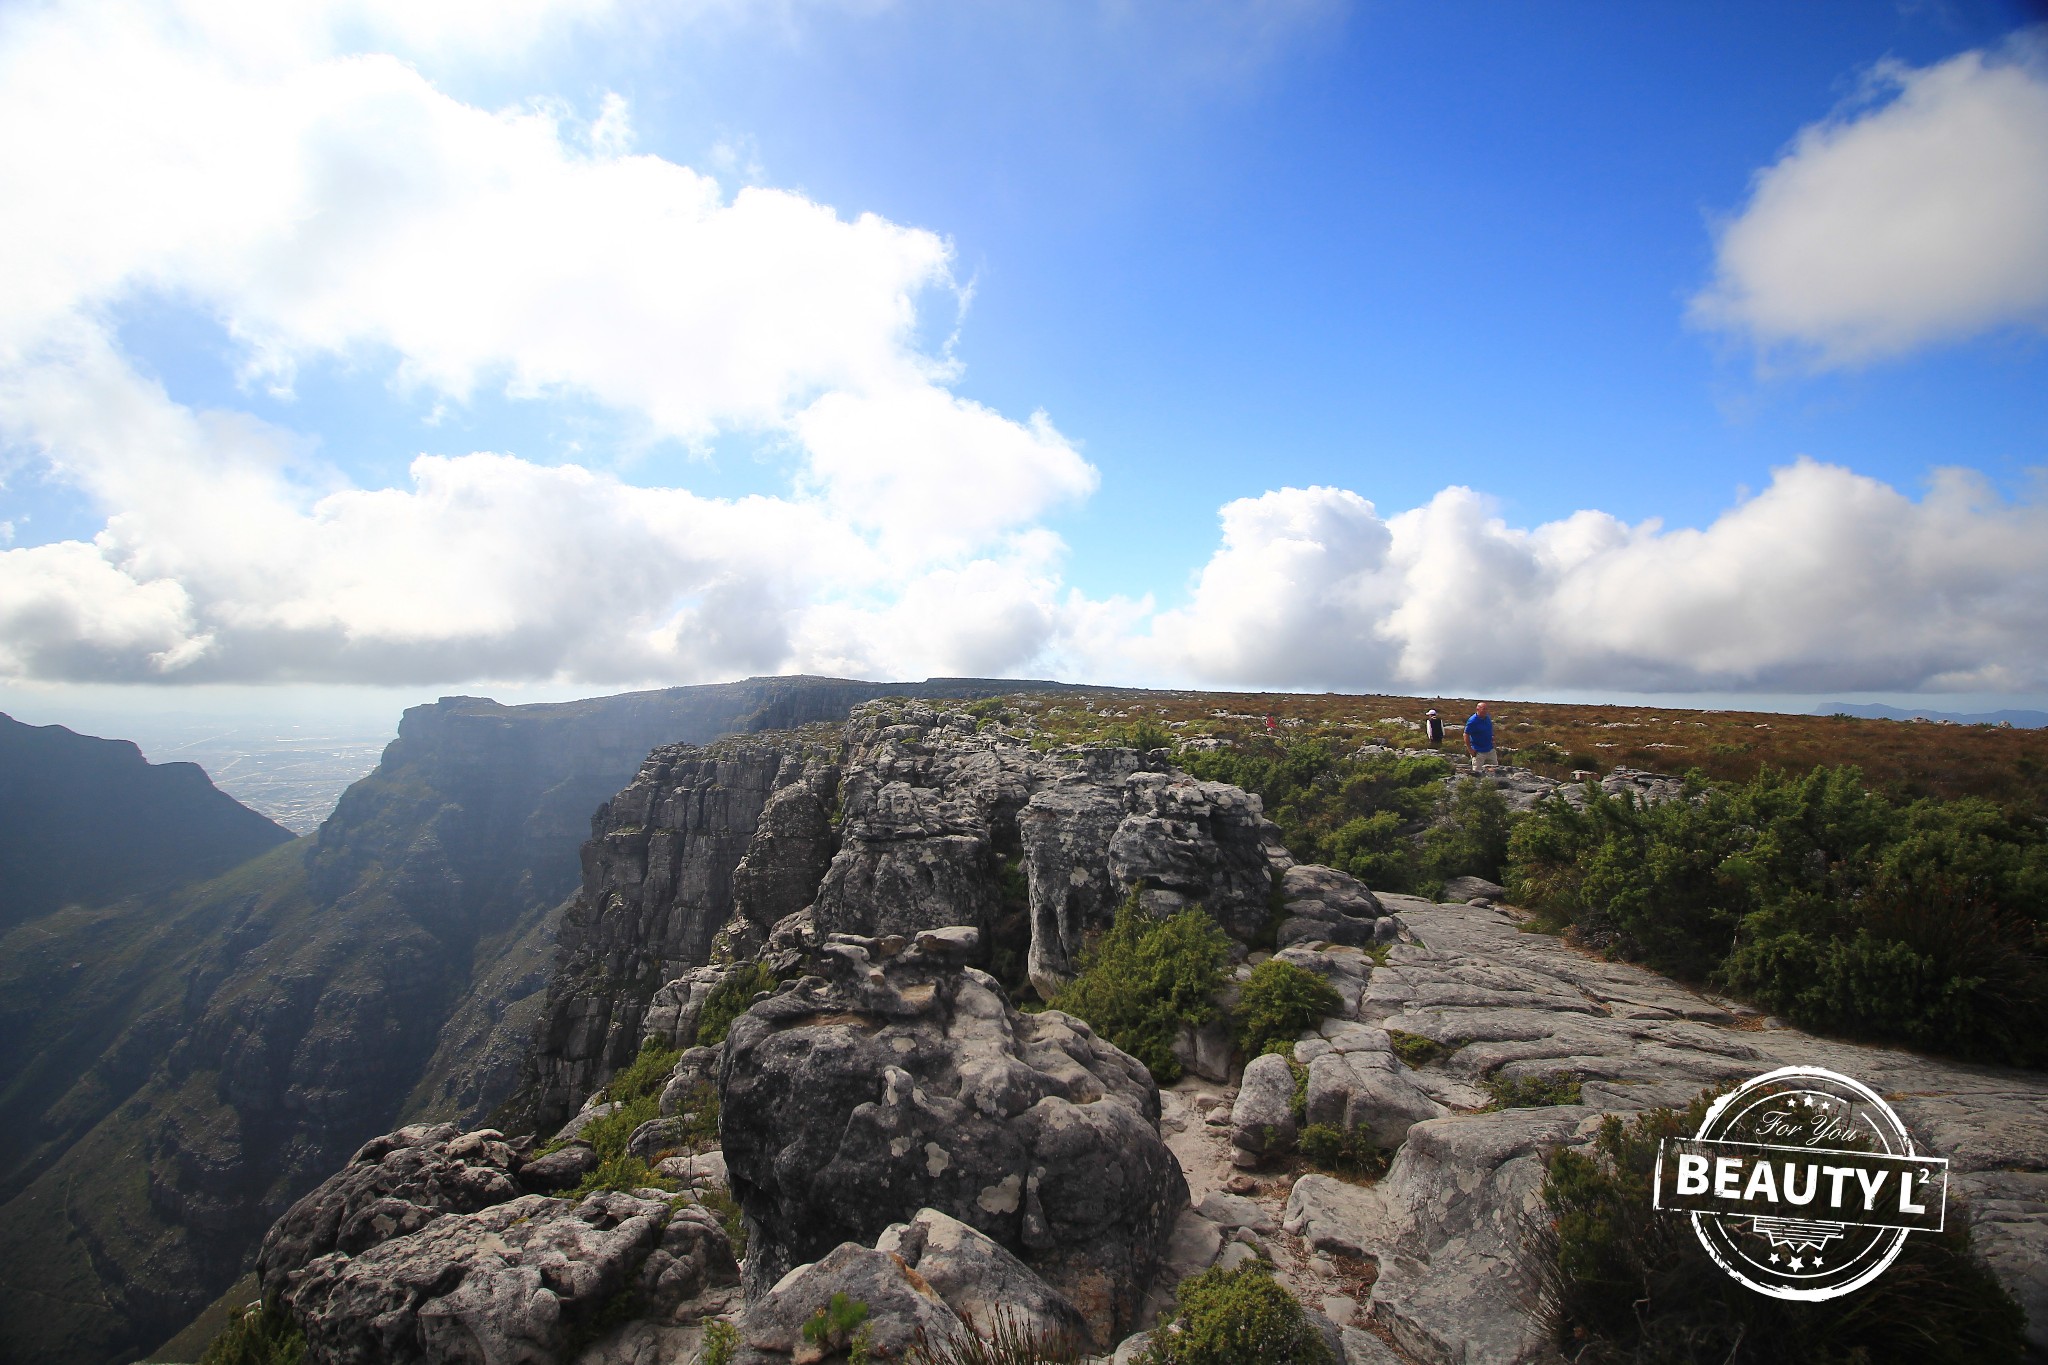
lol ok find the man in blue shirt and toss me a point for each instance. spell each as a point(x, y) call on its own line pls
point(1479, 738)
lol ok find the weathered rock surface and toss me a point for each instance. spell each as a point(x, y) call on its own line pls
point(979, 1279)
point(393, 1185)
point(1262, 1121)
point(901, 1305)
point(507, 1283)
point(907, 1082)
point(1445, 1222)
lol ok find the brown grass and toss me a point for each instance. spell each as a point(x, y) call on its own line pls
point(1905, 758)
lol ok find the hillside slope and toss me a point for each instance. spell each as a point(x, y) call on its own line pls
point(225, 1045)
point(86, 821)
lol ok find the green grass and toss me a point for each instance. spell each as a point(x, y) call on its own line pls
point(1416, 1050)
point(730, 999)
point(1534, 1092)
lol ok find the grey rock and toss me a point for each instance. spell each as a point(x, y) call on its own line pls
point(1206, 1049)
point(1193, 1247)
point(1357, 933)
point(587, 1115)
point(1262, 1120)
point(979, 1279)
point(1192, 842)
point(1232, 1211)
point(2008, 1216)
point(702, 1169)
point(1329, 892)
point(1363, 1348)
point(673, 1010)
point(1065, 831)
point(507, 1283)
point(1370, 1090)
point(393, 1185)
point(1347, 969)
point(911, 858)
point(562, 1169)
point(1131, 1347)
point(1473, 889)
point(900, 1305)
point(905, 1082)
point(694, 1075)
point(788, 853)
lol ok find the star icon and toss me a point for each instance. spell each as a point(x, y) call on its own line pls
point(1817, 1263)
point(1774, 1258)
point(1798, 1264)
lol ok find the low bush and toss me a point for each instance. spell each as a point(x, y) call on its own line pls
point(721, 1342)
point(729, 999)
point(1534, 1092)
point(1623, 1284)
point(1147, 977)
point(1353, 814)
point(1415, 1049)
point(1228, 1317)
point(1280, 1001)
point(263, 1334)
point(840, 1326)
point(1924, 922)
point(637, 1093)
point(1344, 1151)
point(1470, 839)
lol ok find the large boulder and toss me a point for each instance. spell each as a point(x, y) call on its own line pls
point(979, 1280)
point(910, 859)
point(1065, 830)
point(1262, 1122)
point(393, 1185)
point(901, 1306)
point(906, 1081)
point(791, 847)
point(1189, 842)
point(1370, 1090)
point(513, 1282)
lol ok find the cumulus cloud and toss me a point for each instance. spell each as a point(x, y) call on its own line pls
point(1918, 219)
point(1827, 580)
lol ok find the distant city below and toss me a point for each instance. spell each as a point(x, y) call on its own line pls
point(294, 775)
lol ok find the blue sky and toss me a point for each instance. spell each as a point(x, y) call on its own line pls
point(1384, 347)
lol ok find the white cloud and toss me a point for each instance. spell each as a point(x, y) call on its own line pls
point(1827, 580)
point(1920, 220)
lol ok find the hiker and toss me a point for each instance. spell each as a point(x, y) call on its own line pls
point(1479, 738)
point(1433, 726)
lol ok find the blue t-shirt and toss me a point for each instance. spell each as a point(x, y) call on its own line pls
point(1479, 730)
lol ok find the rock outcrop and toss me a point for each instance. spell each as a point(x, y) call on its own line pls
point(905, 1082)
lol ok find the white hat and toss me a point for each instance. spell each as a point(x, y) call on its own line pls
point(1432, 711)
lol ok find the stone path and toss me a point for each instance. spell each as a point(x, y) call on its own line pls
point(1427, 1257)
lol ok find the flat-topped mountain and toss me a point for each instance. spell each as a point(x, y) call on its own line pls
point(86, 820)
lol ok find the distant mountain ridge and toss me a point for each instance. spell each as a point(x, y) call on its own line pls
point(2022, 720)
point(91, 820)
point(224, 1045)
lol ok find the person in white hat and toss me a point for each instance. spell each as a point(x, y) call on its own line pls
point(1433, 726)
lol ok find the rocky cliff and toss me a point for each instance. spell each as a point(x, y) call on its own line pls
point(895, 1131)
point(222, 1046)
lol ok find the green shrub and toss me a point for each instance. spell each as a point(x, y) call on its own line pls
point(1621, 1282)
point(840, 1326)
point(1145, 978)
point(1343, 1151)
point(637, 1092)
point(1347, 813)
point(1229, 1317)
point(1415, 1049)
point(1534, 1092)
point(1471, 839)
point(721, 1342)
point(729, 999)
point(719, 1200)
point(1925, 922)
point(1278, 1003)
point(1008, 1342)
point(1146, 735)
point(264, 1334)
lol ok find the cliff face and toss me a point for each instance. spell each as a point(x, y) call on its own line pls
point(221, 1047)
point(941, 822)
point(85, 820)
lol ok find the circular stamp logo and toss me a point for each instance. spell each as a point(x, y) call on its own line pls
point(1802, 1184)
